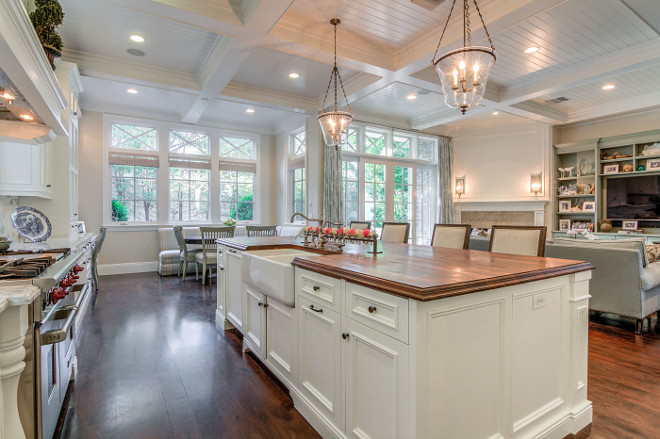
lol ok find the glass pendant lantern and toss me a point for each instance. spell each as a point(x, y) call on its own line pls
point(464, 72)
point(335, 123)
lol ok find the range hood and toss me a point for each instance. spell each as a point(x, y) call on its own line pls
point(27, 75)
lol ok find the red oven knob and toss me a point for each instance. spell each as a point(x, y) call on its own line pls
point(75, 277)
point(64, 282)
point(77, 269)
point(58, 294)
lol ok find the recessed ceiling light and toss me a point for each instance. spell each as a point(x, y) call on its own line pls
point(26, 117)
point(137, 38)
point(411, 97)
point(532, 49)
point(608, 86)
point(294, 75)
point(250, 110)
point(132, 91)
point(495, 113)
point(7, 95)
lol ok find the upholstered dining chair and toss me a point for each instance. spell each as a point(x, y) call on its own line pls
point(518, 240)
point(395, 232)
point(252, 231)
point(451, 235)
point(95, 256)
point(185, 254)
point(208, 256)
point(360, 225)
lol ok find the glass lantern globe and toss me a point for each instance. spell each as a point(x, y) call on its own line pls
point(334, 125)
point(464, 74)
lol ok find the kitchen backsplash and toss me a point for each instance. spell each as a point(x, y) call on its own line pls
point(7, 204)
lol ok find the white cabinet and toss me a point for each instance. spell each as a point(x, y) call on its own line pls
point(377, 383)
point(221, 281)
point(234, 289)
point(282, 340)
point(320, 359)
point(25, 170)
point(254, 322)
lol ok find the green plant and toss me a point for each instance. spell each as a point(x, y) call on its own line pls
point(119, 211)
point(46, 17)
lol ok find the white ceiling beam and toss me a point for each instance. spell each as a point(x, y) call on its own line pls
point(625, 60)
point(537, 112)
point(446, 116)
point(227, 60)
point(275, 100)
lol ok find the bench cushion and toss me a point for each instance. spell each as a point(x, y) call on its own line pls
point(651, 276)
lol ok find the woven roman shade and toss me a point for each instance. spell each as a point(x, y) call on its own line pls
point(237, 166)
point(296, 163)
point(176, 162)
point(133, 159)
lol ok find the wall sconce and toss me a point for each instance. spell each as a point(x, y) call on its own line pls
point(536, 183)
point(459, 186)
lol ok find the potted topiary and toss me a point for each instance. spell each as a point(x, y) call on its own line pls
point(46, 17)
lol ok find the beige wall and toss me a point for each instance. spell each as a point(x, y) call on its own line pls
point(612, 126)
point(140, 247)
point(7, 204)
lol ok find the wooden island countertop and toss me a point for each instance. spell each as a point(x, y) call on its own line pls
point(420, 272)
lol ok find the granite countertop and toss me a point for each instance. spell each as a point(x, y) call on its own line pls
point(421, 272)
point(19, 294)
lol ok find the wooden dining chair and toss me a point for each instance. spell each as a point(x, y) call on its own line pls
point(518, 240)
point(185, 254)
point(395, 232)
point(253, 231)
point(360, 225)
point(451, 235)
point(209, 256)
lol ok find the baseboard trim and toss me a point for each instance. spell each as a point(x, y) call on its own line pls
point(130, 267)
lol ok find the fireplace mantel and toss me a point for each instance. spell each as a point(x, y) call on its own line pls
point(536, 206)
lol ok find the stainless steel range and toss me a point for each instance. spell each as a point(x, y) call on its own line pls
point(65, 282)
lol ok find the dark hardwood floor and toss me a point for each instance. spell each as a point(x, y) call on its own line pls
point(152, 365)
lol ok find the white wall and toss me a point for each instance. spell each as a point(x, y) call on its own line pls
point(138, 248)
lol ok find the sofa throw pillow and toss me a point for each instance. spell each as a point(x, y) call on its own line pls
point(630, 243)
point(653, 252)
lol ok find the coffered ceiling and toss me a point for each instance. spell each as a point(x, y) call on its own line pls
point(206, 60)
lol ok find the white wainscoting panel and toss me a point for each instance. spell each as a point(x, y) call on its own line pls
point(132, 267)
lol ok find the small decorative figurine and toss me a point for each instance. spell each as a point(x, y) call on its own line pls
point(628, 167)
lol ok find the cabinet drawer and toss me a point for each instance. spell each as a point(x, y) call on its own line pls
point(323, 289)
point(380, 311)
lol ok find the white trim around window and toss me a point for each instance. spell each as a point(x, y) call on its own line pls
point(163, 156)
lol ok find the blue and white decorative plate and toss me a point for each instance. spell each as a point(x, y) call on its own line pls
point(31, 223)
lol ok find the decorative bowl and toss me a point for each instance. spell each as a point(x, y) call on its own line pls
point(4, 243)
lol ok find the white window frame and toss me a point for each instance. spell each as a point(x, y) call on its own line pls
point(293, 162)
point(163, 129)
point(390, 162)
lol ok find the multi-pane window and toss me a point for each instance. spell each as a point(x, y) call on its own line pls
point(199, 174)
point(400, 185)
point(298, 189)
point(350, 185)
point(374, 193)
point(403, 193)
point(237, 178)
point(133, 163)
point(298, 142)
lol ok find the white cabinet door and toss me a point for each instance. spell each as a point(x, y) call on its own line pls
point(254, 322)
point(377, 387)
point(221, 279)
point(234, 285)
point(23, 170)
point(320, 360)
point(282, 340)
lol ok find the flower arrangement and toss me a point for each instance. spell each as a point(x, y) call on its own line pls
point(230, 222)
point(341, 233)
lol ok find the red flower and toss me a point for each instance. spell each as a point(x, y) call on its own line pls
point(366, 233)
point(352, 232)
point(317, 229)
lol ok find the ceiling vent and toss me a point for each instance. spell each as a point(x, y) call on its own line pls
point(557, 100)
point(427, 4)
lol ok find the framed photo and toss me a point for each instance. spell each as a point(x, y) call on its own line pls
point(564, 225)
point(653, 164)
point(586, 226)
point(564, 206)
point(628, 225)
point(611, 169)
point(589, 206)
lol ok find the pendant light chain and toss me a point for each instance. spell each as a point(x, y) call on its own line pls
point(481, 17)
point(443, 32)
point(466, 25)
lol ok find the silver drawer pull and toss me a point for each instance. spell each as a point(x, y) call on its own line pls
point(314, 309)
point(316, 288)
point(372, 309)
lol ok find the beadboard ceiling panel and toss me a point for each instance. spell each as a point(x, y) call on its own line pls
point(233, 113)
point(385, 23)
point(169, 44)
point(268, 68)
point(392, 101)
point(627, 85)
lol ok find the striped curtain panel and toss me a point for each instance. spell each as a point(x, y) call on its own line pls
point(332, 190)
point(444, 171)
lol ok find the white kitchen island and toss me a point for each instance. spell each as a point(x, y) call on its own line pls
point(427, 343)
